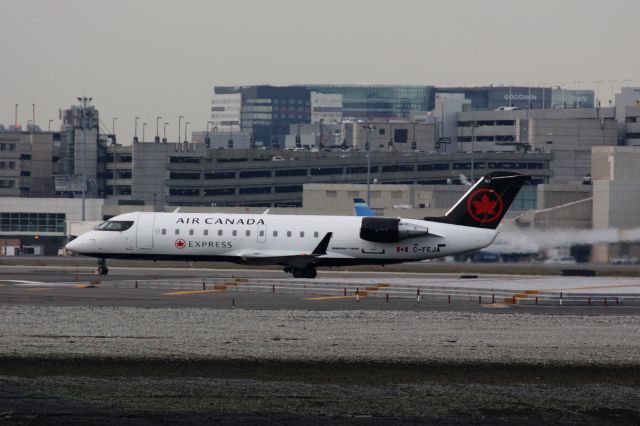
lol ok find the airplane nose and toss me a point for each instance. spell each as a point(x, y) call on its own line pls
point(72, 245)
point(79, 245)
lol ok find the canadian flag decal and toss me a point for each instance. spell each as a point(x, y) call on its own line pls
point(402, 249)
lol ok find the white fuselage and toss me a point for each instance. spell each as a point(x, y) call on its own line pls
point(267, 239)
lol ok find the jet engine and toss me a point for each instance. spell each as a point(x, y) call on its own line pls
point(389, 230)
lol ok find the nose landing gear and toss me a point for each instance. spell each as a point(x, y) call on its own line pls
point(102, 267)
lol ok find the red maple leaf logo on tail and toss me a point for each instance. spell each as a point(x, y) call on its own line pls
point(485, 205)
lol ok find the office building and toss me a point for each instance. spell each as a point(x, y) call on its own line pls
point(371, 102)
point(264, 112)
point(28, 160)
point(569, 134)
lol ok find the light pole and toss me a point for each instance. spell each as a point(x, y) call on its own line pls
point(180, 117)
point(473, 138)
point(33, 117)
point(144, 126)
point(15, 124)
point(29, 126)
point(367, 147)
point(50, 124)
point(135, 134)
point(186, 126)
point(207, 140)
point(164, 132)
point(84, 100)
point(113, 126)
point(157, 139)
point(115, 161)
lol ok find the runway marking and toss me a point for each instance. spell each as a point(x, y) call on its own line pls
point(180, 293)
point(519, 296)
point(330, 297)
point(361, 293)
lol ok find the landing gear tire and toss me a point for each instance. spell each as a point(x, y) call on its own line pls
point(102, 267)
point(308, 272)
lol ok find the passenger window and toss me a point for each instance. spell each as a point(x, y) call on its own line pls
point(164, 231)
point(288, 233)
point(177, 232)
point(301, 234)
point(315, 234)
point(234, 232)
point(247, 233)
point(205, 232)
point(262, 233)
point(275, 233)
point(220, 232)
point(190, 231)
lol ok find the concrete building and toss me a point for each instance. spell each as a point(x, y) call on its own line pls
point(569, 134)
point(79, 150)
point(190, 175)
point(631, 126)
point(447, 106)
point(320, 135)
point(616, 198)
point(326, 107)
point(628, 115)
point(28, 161)
point(391, 135)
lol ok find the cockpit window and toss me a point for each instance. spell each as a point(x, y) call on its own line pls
point(114, 225)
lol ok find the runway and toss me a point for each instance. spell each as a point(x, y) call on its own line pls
point(269, 289)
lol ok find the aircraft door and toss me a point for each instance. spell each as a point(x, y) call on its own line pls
point(262, 233)
point(144, 230)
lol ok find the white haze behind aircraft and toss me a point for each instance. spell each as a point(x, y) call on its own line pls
point(301, 243)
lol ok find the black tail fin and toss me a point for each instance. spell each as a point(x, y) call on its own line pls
point(484, 205)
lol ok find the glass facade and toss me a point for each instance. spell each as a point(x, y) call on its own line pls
point(370, 102)
point(32, 222)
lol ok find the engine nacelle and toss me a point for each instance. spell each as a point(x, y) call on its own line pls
point(389, 230)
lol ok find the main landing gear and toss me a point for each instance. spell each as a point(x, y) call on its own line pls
point(102, 267)
point(308, 272)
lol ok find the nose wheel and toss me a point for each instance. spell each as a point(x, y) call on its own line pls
point(102, 267)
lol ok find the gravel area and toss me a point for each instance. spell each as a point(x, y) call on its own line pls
point(318, 335)
point(63, 365)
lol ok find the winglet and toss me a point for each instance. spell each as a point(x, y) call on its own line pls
point(322, 247)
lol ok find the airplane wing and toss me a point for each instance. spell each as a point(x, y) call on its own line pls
point(297, 259)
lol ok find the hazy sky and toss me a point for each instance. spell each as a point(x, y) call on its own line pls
point(149, 57)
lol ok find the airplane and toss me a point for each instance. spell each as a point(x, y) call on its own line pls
point(361, 208)
point(302, 243)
